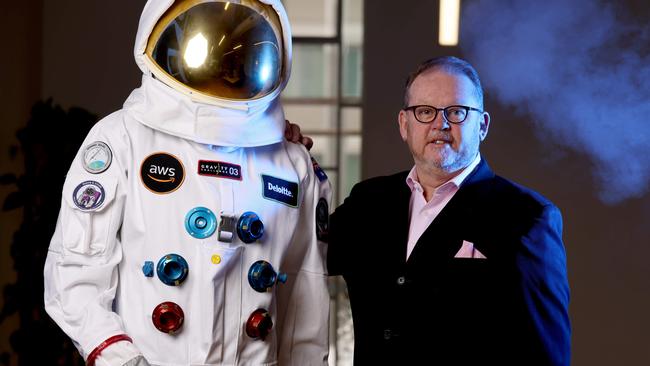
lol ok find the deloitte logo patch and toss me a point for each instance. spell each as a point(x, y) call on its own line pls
point(162, 173)
point(280, 190)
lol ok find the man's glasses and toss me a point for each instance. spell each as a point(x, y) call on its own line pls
point(453, 113)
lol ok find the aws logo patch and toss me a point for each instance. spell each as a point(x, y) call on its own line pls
point(162, 173)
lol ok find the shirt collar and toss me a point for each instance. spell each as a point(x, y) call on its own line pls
point(413, 182)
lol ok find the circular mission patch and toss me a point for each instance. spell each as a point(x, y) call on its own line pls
point(88, 195)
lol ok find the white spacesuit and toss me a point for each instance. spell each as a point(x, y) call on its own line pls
point(191, 232)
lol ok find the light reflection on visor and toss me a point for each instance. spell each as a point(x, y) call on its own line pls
point(223, 50)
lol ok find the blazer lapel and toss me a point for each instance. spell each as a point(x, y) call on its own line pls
point(397, 227)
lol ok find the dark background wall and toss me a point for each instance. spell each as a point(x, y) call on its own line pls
point(88, 53)
point(80, 53)
point(20, 80)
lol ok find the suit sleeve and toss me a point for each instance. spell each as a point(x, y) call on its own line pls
point(80, 272)
point(338, 256)
point(541, 266)
point(303, 301)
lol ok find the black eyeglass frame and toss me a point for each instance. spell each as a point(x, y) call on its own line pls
point(444, 112)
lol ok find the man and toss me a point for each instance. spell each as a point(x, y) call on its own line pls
point(187, 233)
point(450, 264)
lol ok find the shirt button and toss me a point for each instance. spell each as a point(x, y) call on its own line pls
point(401, 280)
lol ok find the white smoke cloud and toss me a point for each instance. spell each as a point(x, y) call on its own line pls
point(579, 70)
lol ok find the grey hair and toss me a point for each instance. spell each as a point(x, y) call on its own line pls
point(450, 64)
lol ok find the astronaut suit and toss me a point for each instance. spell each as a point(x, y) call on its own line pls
point(191, 232)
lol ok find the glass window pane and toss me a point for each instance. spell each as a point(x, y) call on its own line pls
point(350, 163)
point(352, 39)
point(311, 118)
point(351, 120)
point(352, 72)
point(313, 71)
point(312, 18)
point(324, 150)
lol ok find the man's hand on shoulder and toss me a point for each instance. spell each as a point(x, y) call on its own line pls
point(292, 133)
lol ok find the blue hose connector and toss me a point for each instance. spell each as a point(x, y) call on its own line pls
point(249, 227)
point(172, 269)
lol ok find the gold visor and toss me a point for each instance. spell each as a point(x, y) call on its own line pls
point(221, 49)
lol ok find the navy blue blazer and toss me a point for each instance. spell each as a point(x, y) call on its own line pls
point(508, 309)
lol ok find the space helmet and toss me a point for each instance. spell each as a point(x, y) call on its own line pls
point(221, 51)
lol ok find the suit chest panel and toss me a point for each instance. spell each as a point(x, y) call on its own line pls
point(167, 179)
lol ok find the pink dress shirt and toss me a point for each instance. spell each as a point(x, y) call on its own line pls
point(422, 213)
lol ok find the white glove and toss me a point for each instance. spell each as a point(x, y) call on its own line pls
point(138, 361)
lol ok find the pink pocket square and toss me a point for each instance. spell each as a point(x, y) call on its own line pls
point(468, 251)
